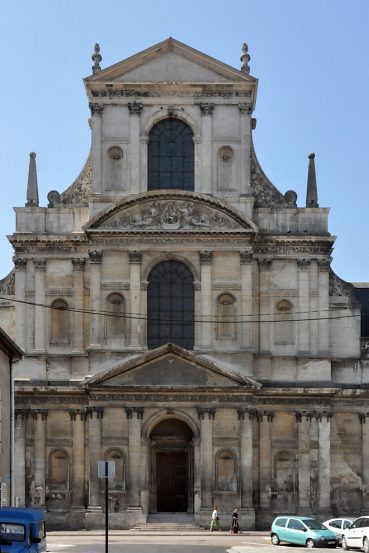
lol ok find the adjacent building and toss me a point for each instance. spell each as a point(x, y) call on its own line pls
point(180, 317)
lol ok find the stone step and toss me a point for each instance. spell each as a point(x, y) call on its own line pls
point(169, 522)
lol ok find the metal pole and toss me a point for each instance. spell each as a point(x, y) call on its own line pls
point(106, 508)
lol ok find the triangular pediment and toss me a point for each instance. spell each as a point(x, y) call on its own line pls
point(170, 212)
point(170, 61)
point(171, 366)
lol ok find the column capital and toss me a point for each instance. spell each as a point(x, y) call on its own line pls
point(74, 413)
point(363, 417)
point(301, 416)
point(78, 263)
point(95, 256)
point(246, 413)
point(201, 413)
point(135, 108)
point(134, 256)
point(327, 415)
point(96, 108)
point(97, 411)
point(20, 263)
point(206, 257)
point(245, 109)
point(40, 264)
point(245, 258)
point(21, 414)
point(39, 414)
point(324, 265)
point(265, 264)
point(266, 416)
point(207, 108)
point(303, 264)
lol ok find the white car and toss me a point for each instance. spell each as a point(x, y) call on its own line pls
point(357, 536)
point(338, 525)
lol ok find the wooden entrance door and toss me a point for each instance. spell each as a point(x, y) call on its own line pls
point(172, 481)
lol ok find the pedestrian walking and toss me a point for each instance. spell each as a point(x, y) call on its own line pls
point(214, 524)
point(235, 528)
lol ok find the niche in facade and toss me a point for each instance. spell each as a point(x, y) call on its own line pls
point(59, 327)
point(283, 325)
point(114, 318)
point(226, 313)
point(226, 475)
point(58, 471)
point(114, 168)
point(225, 168)
point(118, 482)
point(283, 472)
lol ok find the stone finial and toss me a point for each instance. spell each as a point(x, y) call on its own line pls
point(32, 187)
point(311, 193)
point(245, 58)
point(96, 58)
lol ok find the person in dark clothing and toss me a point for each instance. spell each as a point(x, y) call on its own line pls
point(235, 528)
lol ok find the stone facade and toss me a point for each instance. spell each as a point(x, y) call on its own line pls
point(266, 409)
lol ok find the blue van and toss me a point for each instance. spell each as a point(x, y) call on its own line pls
point(22, 530)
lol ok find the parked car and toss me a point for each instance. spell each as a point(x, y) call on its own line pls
point(357, 535)
point(303, 531)
point(338, 525)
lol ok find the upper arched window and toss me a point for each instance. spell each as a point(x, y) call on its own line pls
point(170, 305)
point(171, 156)
point(59, 331)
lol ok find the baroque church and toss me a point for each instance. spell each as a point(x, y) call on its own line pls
point(179, 316)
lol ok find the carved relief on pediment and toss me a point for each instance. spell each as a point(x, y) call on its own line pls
point(172, 215)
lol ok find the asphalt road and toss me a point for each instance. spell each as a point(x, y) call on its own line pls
point(200, 542)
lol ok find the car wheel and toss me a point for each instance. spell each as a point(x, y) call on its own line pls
point(275, 539)
point(366, 545)
point(310, 544)
point(344, 544)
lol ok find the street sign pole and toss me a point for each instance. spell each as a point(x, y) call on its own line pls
point(106, 508)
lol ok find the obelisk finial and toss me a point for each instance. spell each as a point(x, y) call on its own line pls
point(312, 192)
point(96, 58)
point(245, 58)
point(32, 187)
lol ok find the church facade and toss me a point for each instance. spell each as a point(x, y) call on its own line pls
point(179, 316)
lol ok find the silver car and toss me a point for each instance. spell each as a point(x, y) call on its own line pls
point(357, 536)
point(338, 525)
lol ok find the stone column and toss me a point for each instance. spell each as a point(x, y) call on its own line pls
point(303, 426)
point(206, 261)
point(40, 301)
point(324, 267)
point(78, 456)
point(78, 284)
point(96, 124)
point(94, 445)
point(95, 278)
point(20, 296)
point(303, 306)
point(144, 475)
point(135, 109)
point(206, 181)
point(246, 457)
point(39, 459)
point(20, 457)
point(196, 475)
point(206, 417)
point(324, 463)
point(135, 259)
point(265, 315)
point(246, 299)
point(134, 416)
point(265, 458)
point(364, 419)
point(245, 135)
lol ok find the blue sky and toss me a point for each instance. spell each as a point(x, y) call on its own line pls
point(310, 56)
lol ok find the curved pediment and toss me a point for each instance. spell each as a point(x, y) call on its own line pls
point(170, 211)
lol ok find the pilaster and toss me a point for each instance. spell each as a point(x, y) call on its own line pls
point(206, 262)
point(245, 137)
point(246, 299)
point(95, 278)
point(206, 112)
point(78, 284)
point(324, 463)
point(134, 416)
point(135, 259)
point(265, 266)
point(78, 454)
point(324, 266)
point(246, 417)
point(304, 307)
point(20, 264)
point(303, 421)
point(40, 304)
point(265, 458)
point(39, 455)
point(21, 416)
point(206, 417)
point(94, 446)
point(135, 110)
point(96, 127)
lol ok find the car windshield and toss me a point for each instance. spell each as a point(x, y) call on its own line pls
point(12, 532)
point(314, 524)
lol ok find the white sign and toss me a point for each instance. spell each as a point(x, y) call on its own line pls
point(4, 495)
point(101, 468)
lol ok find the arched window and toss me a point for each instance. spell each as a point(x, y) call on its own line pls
point(226, 316)
point(114, 320)
point(226, 475)
point(171, 156)
point(58, 471)
point(170, 305)
point(283, 326)
point(118, 482)
point(59, 330)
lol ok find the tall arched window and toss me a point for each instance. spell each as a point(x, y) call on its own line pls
point(59, 330)
point(171, 156)
point(170, 305)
